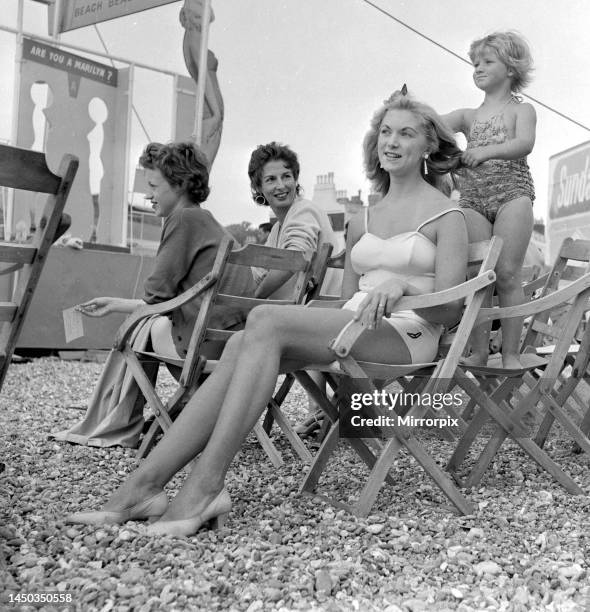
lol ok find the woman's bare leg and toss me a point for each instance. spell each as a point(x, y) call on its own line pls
point(272, 335)
point(184, 440)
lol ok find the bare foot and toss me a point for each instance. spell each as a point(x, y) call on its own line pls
point(475, 360)
point(511, 362)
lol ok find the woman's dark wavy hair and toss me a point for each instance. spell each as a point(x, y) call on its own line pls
point(182, 164)
point(262, 154)
point(444, 155)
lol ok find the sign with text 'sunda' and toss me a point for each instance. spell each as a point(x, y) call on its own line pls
point(568, 213)
point(80, 13)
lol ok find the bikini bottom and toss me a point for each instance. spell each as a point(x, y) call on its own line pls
point(419, 335)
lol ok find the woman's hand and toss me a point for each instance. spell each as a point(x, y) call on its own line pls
point(102, 306)
point(379, 302)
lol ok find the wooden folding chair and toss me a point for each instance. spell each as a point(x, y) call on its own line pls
point(316, 299)
point(27, 170)
point(566, 397)
point(506, 396)
point(535, 285)
point(365, 377)
point(274, 413)
point(567, 402)
point(195, 364)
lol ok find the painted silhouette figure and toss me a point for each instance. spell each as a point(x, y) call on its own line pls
point(42, 99)
point(191, 18)
point(98, 112)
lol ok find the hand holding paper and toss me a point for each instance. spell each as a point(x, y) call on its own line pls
point(73, 326)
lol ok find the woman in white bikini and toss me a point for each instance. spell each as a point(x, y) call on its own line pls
point(412, 242)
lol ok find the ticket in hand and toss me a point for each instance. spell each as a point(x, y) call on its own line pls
point(73, 326)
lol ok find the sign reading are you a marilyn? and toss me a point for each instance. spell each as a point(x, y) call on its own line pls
point(75, 65)
point(80, 13)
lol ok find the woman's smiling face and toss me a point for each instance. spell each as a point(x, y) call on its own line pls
point(278, 184)
point(163, 196)
point(401, 144)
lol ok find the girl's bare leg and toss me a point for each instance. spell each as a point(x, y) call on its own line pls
point(272, 335)
point(478, 229)
point(514, 224)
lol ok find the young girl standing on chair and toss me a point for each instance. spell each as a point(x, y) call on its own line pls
point(496, 185)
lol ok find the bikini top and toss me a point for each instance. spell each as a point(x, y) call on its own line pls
point(410, 256)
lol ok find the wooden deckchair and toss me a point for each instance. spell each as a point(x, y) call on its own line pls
point(365, 377)
point(567, 401)
point(27, 170)
point(506, 396)
point(565, 396)
point(315, 298)
point(195, 364)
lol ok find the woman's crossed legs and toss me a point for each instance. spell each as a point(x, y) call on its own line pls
point(226, 407)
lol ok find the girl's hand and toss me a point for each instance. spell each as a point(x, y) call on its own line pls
point(473, 157)
point(100, 307)
point(379, 303)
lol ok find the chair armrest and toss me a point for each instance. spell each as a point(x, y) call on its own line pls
point(345, 340)
point(143, 312)
point(326, 303)
point(532, 286)
point(542, 304)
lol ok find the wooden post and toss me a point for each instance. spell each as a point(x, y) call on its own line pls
point(57, 19)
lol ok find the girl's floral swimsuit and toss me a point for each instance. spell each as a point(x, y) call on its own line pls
point(487, 187)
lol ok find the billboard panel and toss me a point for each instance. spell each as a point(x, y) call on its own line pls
point(80, 13)
point(85, 111)
point(568, 213)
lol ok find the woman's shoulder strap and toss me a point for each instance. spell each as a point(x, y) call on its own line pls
point(440, 214)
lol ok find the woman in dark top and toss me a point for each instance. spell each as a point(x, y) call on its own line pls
point(178, 179)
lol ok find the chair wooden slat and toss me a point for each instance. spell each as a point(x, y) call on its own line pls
point(572, 273)
point(23, 169)
point(268, 257)
point(577, 250)
point(543, 304)
point(248, 303)
point(222, 335)
point(17, 253)
point(7, 311)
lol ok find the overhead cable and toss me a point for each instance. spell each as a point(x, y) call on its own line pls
point(464, 60)
point(113, 65)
